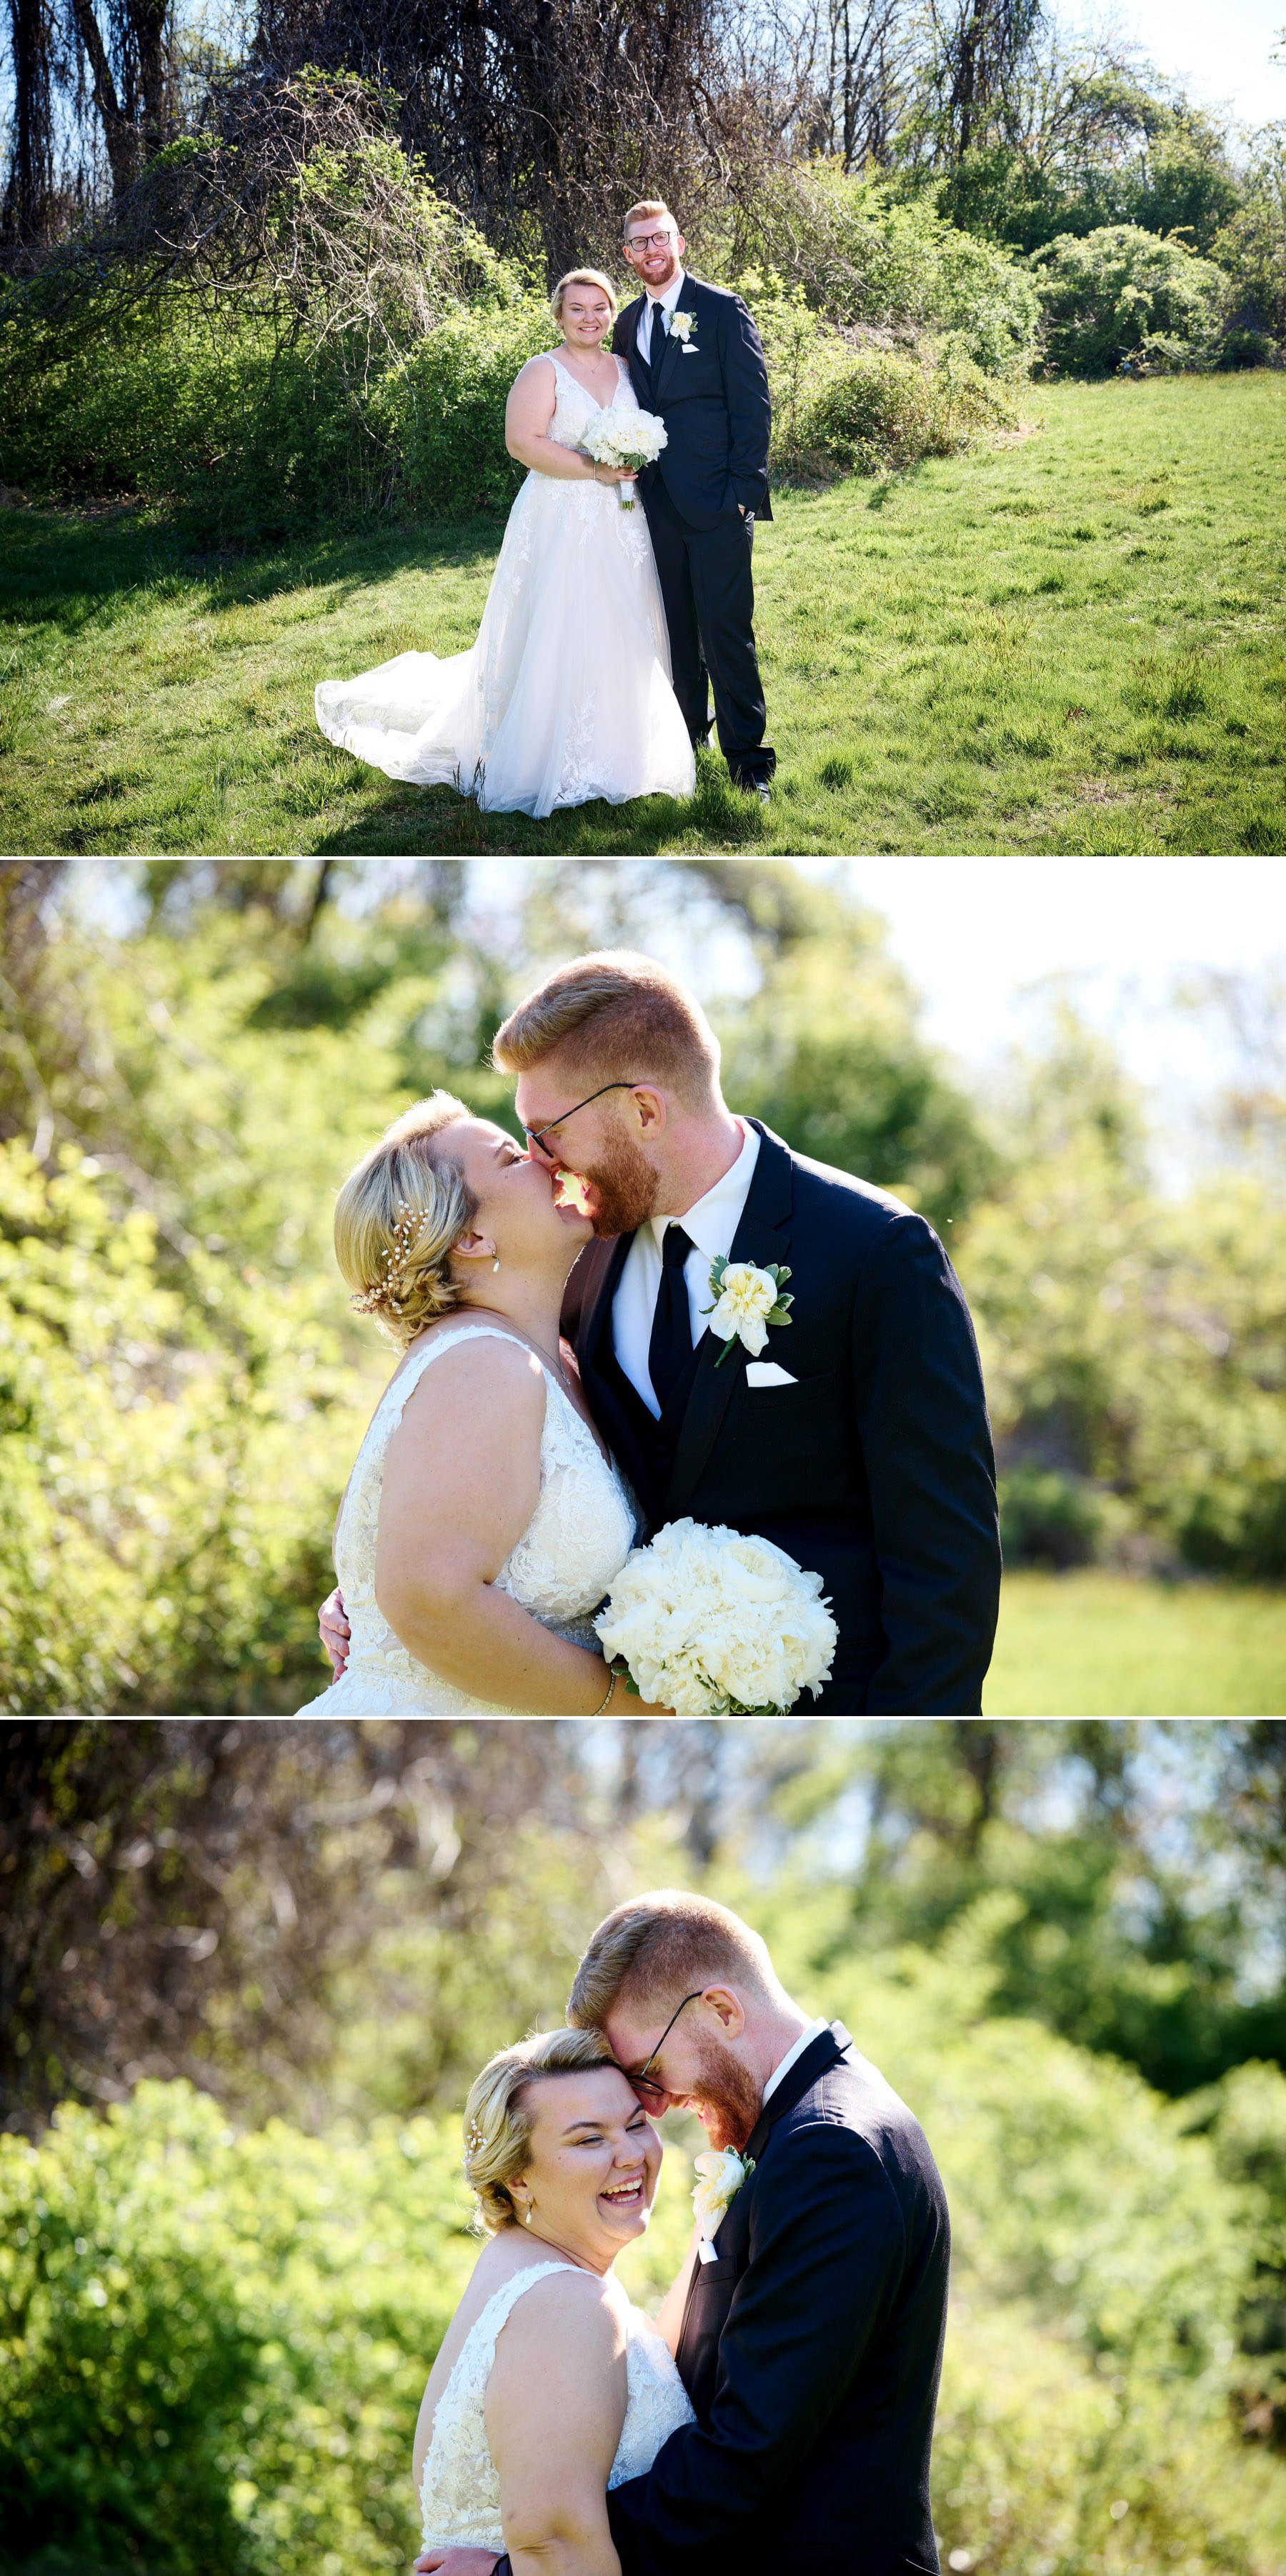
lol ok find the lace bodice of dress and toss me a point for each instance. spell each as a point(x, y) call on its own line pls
point(564, 1564)
point(460, 2491)
point(575, 409)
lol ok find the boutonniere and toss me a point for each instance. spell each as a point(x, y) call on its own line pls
point(722, 2175)
point(682, 325)
point(746, 1301)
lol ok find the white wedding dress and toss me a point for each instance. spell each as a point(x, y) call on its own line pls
point(567, 1559)
point(460, 2492)
point(566, 693)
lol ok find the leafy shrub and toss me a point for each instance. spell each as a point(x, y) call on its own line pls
point(441, 413)
point(1252, 248)
point(1048, 1518)
point(216, 2345)
point(865, 257)
point(885, 411)
point(1120, 299)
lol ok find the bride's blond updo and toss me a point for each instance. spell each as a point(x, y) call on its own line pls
point(397, 1217)
point(497, 2121)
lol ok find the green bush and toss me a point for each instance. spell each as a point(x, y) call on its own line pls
point(884, 411)
point(865, 257)
point(441, 413)
point(214, 2346)
point(1119, 300)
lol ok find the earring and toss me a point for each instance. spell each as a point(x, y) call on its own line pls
point(496, 1263)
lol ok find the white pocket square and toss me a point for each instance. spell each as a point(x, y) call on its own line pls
point(767, 1373)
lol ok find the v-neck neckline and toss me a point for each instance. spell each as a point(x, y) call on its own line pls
point(575, 380)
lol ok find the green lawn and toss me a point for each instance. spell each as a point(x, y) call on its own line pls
point(1106, 1645)
point(1071, 643)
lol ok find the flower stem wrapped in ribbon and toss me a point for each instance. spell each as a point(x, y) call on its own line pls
point(711, 1623)
point(631, 438)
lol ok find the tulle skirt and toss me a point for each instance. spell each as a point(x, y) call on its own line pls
point(565, 695)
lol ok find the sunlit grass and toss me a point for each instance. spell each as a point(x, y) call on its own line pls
point(1070, 644)
point(1105, 1645)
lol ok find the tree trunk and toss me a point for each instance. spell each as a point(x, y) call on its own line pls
point(26, 217)
point(120, 133)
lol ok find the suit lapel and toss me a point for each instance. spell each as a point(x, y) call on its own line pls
point(819, 2054)
point(628, 331)
point(686, 303)
point(763, 1236)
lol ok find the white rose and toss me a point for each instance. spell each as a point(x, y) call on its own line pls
point(747, 1297)
point(723, 2174)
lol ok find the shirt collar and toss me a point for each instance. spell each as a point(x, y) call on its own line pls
point(672, 293)
point(713, 1222)
point(805, 2040)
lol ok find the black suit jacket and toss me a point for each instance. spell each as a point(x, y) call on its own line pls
point(712, 394)
point(811, 2349)
point(875, 1469)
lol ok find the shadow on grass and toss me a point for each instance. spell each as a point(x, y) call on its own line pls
point(68, 568)
point(435, 822)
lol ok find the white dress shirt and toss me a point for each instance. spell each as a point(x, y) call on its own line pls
point(667, 301)
point(805, 2040)
point(712, 1224)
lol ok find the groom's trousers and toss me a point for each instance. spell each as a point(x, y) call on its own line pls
point(709, 598)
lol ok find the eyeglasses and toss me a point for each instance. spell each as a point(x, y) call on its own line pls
point(536, 1135)
point(644, 2084)
point(647, 241)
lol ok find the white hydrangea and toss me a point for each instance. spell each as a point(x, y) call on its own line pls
point(714, 1624)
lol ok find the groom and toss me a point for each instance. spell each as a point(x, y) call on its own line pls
point(812, 2342)
point(858, 1439)
point(696, 359)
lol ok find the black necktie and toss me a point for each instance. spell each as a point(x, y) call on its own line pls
point(670, 1348)
point(656, 341)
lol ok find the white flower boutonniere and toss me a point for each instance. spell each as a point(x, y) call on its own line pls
point(682, 325)
point(722, 2175)
point(746, 1301)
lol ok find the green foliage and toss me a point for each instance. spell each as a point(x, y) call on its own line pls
point(1151, 1385)
point(163, 1453)
point(217, 2343)
point(1121, 300)
point(1172, 180)
point(865, 256)
point(1252, 247)
point(827, 1053)
point(441, 413)
point(884, 412)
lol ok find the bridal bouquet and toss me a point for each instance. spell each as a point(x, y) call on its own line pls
point(713, 1624)
point(633, 438)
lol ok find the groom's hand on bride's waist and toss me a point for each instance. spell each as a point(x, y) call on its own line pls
point(335, 1634)
point(456, 2562)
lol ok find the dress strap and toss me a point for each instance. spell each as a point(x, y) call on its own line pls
point(400, 1389)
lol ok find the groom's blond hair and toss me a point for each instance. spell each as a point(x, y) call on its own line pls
point(654, 1949)
point(615, 1016)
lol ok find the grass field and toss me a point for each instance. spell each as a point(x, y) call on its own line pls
point(1106, 1645)
point(1068, 644)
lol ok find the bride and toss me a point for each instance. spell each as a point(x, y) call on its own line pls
point(566, 694)
point(549, 2387)
point(484, 1520)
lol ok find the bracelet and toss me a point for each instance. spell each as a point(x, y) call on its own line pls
point(603, 1703)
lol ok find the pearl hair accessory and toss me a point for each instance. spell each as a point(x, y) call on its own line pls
point(396, 1260)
